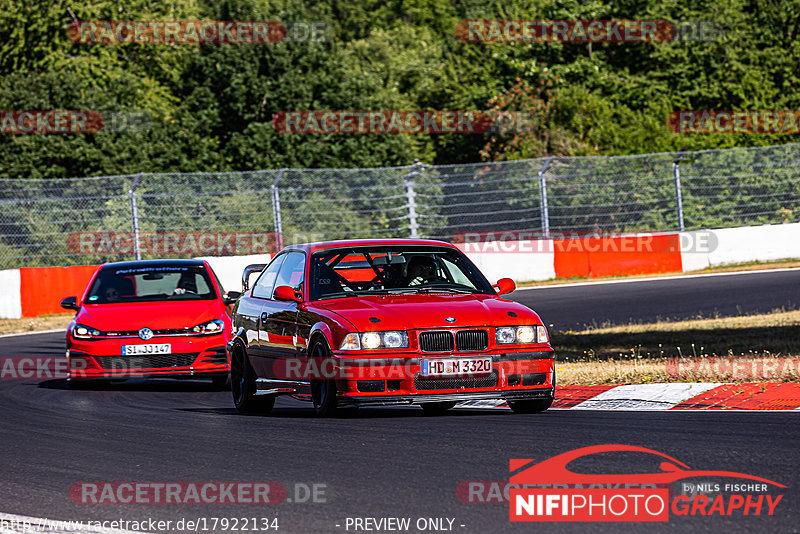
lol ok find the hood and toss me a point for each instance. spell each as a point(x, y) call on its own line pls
point(410, 312)
point(154, 315)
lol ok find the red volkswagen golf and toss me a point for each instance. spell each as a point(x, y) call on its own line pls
point(380, 322)
point(150, 318)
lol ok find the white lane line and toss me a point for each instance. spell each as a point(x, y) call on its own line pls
point(34, 333)
point(645, 396)
point(657, 278)
point(19, 524)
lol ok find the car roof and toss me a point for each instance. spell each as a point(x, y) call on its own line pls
point(153, 263)
point(346, 243)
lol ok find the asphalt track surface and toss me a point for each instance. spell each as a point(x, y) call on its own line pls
point(679, 297)
point(384, 463)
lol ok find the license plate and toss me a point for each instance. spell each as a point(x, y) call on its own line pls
point(153, 348)
point(456, 367)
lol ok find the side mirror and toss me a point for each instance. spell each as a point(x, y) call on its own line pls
point(70, 303)
point(250, 269)
point(287, 293)
point(505, 285)
point(230, 297)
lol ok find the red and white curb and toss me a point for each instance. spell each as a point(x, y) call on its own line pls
point(671, 396)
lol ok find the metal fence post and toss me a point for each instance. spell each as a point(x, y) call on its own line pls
point(543, 209)
point(411, 203)
point(676, 172)
point(135, 216)
point(276, 209)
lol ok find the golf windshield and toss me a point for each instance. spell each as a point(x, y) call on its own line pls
point(393, 270)
point(151, 283)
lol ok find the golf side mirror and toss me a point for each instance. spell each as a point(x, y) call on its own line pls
point(70, 303)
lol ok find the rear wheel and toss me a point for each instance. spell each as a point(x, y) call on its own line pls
point(530, 406)
point(437, 408)
point(243, 386)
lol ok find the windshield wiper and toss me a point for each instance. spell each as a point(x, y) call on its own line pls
point(446, 290)
point(355, 293)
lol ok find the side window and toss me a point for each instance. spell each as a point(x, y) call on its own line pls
point(265, 282)
point(292, 271)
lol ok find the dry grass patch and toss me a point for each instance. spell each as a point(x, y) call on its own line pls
point(721, 349)
point(35, 324)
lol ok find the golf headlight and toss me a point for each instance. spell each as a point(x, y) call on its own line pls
point(80, 331)
point(393, 339)
point(210, 327)
point(506, 335)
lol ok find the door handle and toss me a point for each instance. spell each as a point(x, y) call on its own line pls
point(264, 317)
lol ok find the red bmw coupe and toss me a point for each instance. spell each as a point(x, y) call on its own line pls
point(150, 318)
point(384, 322)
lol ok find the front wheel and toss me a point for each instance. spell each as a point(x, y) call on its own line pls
point(323, 391)
point(530, 406)
point(243, 386)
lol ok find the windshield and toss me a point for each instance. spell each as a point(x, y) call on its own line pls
point(393, 270)
point(151, 283)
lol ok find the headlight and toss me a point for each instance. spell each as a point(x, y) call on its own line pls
point(210, 327)
point(80, 331)
point(526, 334)
point(506, 335)
point(394, 339)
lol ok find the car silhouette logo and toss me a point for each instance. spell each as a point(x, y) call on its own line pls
point(554, 470)
point(450, 319)
point(145, 334)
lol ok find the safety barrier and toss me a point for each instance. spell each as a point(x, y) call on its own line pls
point(34, 291)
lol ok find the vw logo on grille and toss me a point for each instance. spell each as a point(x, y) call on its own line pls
point(450, 319)
point(145, 334)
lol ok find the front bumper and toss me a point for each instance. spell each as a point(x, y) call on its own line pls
point(394, 400)
point(514, 376)
point(103, 359)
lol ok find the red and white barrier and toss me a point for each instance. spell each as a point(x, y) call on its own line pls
point(33, 291)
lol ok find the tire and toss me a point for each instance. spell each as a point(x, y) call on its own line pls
point(243, 386)
point(323, 392)
point(221, 383)
point(530, 406)
point(437, 408)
